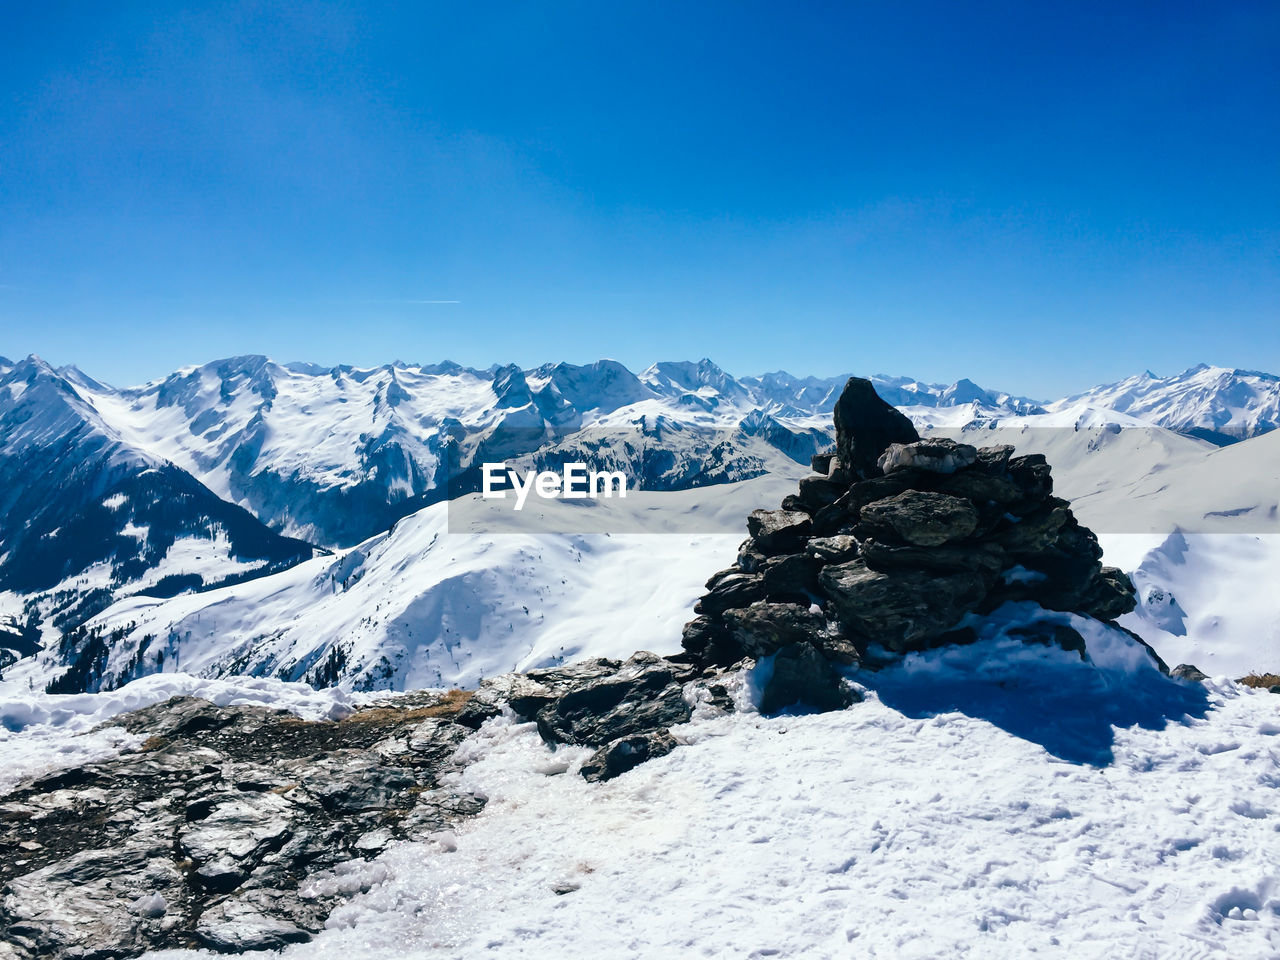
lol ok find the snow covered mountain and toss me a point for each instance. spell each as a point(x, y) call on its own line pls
point(426, 605)
point(335, 455)
point(161, 488)
point(438, 602)
point(1218, 404)
point(86, 517)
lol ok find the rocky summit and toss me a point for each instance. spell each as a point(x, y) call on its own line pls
point(893, 545)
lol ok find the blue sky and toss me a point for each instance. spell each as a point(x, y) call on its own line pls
point(1039, 197)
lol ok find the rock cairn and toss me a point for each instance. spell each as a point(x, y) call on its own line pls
point(893, 542)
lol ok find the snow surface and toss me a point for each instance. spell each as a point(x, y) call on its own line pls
point(1210, 600)
point(41, 732)
point(995, 800)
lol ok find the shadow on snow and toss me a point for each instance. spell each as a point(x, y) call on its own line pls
point(1049, 697)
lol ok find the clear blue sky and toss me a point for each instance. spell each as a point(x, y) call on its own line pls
point(1036, 196)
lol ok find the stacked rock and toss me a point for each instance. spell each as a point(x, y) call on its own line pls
point(894, 541)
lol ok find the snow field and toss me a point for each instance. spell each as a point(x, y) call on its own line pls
point(878, 831)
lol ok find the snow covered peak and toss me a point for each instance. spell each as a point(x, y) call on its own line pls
point(1219, 404)
point(40, 406)
point(604, 386)
point(672, 378)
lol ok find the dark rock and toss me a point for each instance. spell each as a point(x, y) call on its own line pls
point(178, 717)
point(981, 487)
point(922, 518)
point(832, 518)
point(835, 549)
point(526, 697)
point(559, 678)
point(1032, 475)
point(934, 456)
point(835, 516)
point(750, 560)
point(835, 646)
point(1061, 580)
point(821, 463)
point(802, 677)
point(818, 492)
point(720, 575)
point(865, 426)
point(901, 610)
point(646, 694)
point(777, 531)
point(732, 592)
point(794, 504)
point(994, 459)
point(985, 558)
point(876, 488)
point(760, 629)
point(625, 754)
point(220, 876)
point(791, 578)
point(207, 833)
point(1111, 594)
point(360, 784)
point(238, 925)
point(1187, 671)
point(1077, 539)
point(704, 636)
point(1036, 531)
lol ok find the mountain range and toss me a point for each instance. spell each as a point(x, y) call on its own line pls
point(235, 470)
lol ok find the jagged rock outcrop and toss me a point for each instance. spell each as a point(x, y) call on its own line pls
point(623, 708)
point(240, 828)
point(893, 542)
point(232, 828)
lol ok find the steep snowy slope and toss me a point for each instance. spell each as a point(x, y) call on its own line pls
point(1206, 578)
point(85, 517)
point(421, 606)
point(1209, 599)
point(1217, 403)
